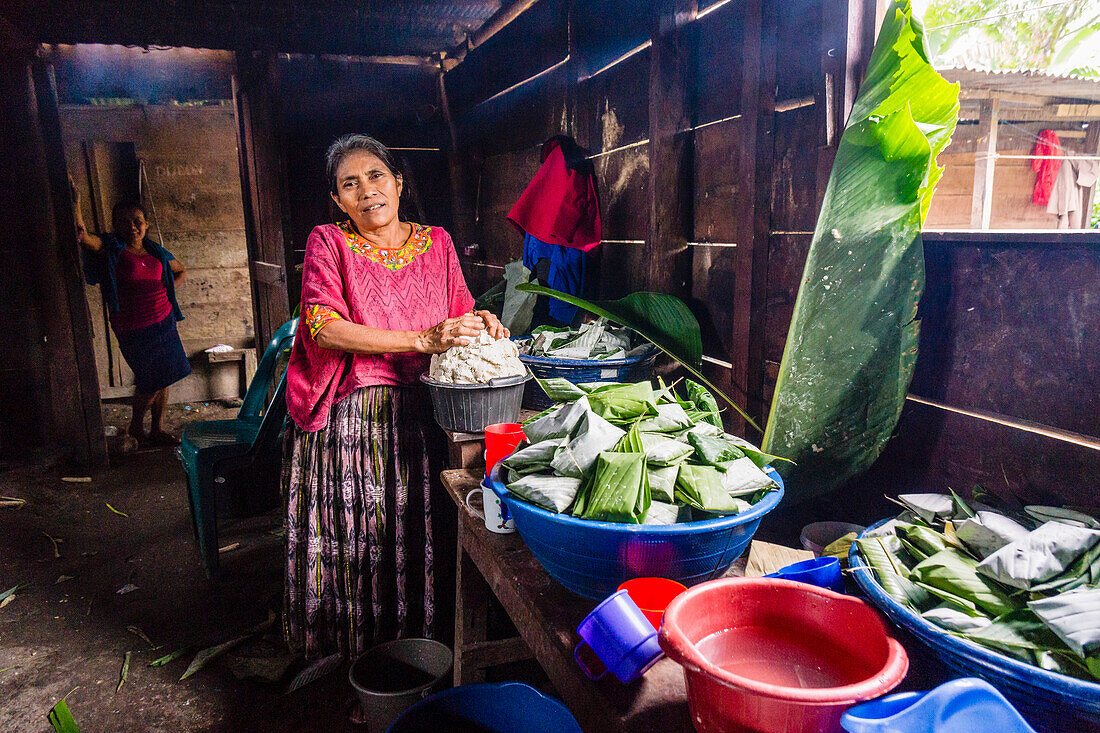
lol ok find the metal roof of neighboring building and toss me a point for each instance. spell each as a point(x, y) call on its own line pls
point(1026, 81)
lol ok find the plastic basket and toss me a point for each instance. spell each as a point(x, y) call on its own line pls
point(468, 408)
point(635, 368)
point(1050, 701)
point(593, 558)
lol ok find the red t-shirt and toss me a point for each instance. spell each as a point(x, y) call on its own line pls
point(142, 297)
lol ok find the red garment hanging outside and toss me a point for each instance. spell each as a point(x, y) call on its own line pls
point(1045, 168)
point(559, 205)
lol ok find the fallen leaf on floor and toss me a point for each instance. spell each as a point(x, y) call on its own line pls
point(229, 548)
point(63, 578)
point(128, 588)
point(6, 601)
point(61, 719)
point(55, 541)
point(271, 669)
point(209, 654)
point(168, 658)
point(9, 593)
point(124, 672)
point(77, 479)
point(11, 501)
point(140, 634)
point(116, 511)
point(314, 672)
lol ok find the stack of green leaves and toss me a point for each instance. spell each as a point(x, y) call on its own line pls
point(634, 454)
point(1024, 584)
point(596, 339)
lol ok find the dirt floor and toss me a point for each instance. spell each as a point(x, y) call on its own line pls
point(94, 583)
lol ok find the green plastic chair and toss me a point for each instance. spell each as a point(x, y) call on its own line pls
point(232, 466)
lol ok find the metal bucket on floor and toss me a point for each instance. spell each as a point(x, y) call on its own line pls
point(390, 677)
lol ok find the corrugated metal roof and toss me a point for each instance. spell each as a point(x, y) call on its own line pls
point(1026, 81)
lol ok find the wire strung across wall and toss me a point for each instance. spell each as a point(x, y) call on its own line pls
point(1013, 14)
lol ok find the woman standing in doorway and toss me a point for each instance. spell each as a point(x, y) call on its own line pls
point(138, 278)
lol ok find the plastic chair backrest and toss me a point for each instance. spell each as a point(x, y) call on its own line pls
point(272, 426)
point(255, 399)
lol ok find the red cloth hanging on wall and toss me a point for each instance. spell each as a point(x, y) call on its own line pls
point(559, 205)
point(1046, 169)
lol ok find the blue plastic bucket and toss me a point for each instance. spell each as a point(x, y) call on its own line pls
point(959, 706)
point(621, 636)
point(823, 572)
point(509, 707)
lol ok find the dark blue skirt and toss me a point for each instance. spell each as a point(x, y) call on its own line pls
point(155, 355)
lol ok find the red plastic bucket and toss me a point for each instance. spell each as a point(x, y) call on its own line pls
point(653, 595)
point(776, 656)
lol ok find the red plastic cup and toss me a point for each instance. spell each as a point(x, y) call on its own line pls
point(652, 595)
point(500, 440)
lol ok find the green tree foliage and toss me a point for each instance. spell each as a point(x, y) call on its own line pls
point(1045, 35)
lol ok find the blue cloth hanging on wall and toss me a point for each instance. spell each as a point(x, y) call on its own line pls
point(567, 266)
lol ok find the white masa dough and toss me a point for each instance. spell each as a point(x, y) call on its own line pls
point(484, 359)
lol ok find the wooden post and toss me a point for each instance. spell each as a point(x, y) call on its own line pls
point(1091, 147)
point(74, 379)
point(263, 189)
point(666, 260)
point(985, 151)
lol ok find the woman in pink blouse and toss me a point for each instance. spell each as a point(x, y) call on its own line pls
point(379, 296)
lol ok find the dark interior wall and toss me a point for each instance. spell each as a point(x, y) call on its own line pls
point(718, 132)
point(321, 98)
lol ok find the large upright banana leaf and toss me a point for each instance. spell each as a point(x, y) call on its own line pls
point(663, 320)
point(852, 343)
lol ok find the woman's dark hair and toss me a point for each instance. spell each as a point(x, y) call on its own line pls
point(125, 205)
point(344, 146)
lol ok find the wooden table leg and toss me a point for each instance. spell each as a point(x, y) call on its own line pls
point(471, 611)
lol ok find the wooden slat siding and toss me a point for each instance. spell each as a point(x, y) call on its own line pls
point(666, 259)
point(77, 418)
point(263, 181)
point(981, 207)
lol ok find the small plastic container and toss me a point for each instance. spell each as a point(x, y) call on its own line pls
point(621, 636)
point(468, 408)
point(819, 535)
point(959, 706)
point(823, 572)
point(652, 596)
point(501, 440)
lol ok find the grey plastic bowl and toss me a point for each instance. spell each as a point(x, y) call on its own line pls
point(468, 408)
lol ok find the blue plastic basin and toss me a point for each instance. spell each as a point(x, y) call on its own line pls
point(1050, 701)
point(508, 707)
point(593, 558)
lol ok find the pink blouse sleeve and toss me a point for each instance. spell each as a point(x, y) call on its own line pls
point(459, 300)
point(322, 286)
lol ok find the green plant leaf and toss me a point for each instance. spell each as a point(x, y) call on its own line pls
point(61, 719)
point(853, 337)
point(661, 319)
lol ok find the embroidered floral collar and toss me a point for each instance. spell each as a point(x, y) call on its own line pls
point(392, 259)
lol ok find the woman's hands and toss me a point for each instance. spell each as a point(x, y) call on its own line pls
point(459, 331)
point(496, 328)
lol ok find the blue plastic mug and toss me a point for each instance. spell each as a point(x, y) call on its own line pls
point(621, 636)
point(823, 572)
point(959, 706)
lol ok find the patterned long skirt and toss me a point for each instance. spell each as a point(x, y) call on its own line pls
point(362, 534)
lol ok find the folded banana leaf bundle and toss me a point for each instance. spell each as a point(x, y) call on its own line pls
point(1025, 584)
point(635, 454)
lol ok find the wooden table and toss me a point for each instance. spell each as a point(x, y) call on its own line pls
point(546, 615)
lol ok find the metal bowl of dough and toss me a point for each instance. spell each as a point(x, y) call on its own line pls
point(468, 408)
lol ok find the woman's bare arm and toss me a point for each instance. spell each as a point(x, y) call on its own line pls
point(354, 338)
point(178, 271)
point(89, 241)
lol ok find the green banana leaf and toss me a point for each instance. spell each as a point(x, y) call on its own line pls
point(890, 572)
point(852, 342)
point(619, 490)
point(552, 493)
point(661, 319)
point(662, 451)
point(957, 574)
point(704, 402)
point(533, 457)
point(701, 487)
point(662, 483)
point(60, 719)
point(624, 402)
point(591, 436)
point(1074, 617)
point(713, 450)
point(560, 389)
point(670, 418)
point(556, 423)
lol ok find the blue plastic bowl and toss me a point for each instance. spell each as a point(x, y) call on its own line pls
point(508, 707)
point(635, 368)
point(593, 558)
point(1050, 701)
